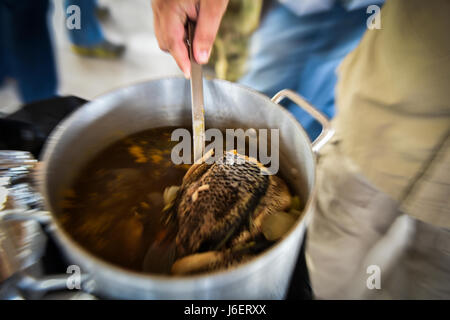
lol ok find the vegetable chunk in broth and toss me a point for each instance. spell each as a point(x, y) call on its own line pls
point(121, 204)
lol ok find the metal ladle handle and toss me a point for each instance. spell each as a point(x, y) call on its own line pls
point(327, 130)
point(197, 101)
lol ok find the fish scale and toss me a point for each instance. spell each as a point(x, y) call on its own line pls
point(234, 192)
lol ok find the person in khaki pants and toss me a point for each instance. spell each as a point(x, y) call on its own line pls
point(389, 159)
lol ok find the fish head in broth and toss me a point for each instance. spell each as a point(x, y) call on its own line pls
point(217, 213)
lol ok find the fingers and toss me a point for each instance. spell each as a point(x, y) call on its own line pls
point(190, 7)
point(179, 51)
point(208, 22)
point(175, 44)
point(169, 20)
point(170, 17)
point(158, 33)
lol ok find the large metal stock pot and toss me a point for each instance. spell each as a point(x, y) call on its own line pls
point(166, 102)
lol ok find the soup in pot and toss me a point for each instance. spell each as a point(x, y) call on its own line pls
point(132, 206)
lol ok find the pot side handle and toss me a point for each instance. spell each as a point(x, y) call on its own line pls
point(327, 130)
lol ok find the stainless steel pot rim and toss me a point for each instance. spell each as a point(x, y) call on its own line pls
point(81, 254)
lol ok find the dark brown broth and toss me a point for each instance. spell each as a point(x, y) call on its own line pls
point(114, 207)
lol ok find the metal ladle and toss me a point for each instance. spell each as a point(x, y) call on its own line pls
point(197, 102)
point(160, 255)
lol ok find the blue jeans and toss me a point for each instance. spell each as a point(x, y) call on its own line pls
point(301, 53)
point(90, 33)
point(25, 48)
